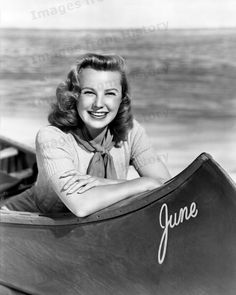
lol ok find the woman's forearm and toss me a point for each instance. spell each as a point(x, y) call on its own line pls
point(103, 196)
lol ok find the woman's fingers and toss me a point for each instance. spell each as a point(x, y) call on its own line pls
point(72, 173)
point(68, 173)
point(74, 188)
point(78, 186)
point(69, 182)
point(87, 186)
point(73, 179)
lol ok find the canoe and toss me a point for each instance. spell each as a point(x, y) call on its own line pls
point(18, 167)
point(177, 239)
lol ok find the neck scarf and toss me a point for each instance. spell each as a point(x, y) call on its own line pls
point(101, 164)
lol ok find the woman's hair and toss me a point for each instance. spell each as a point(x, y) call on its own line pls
point(64, 114)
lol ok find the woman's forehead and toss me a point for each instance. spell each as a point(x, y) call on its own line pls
point(99, 79)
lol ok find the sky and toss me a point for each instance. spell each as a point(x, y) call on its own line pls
point(107, 14)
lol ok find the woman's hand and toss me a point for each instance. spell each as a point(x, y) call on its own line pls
point(80, 183)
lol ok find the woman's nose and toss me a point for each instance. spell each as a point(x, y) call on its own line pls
point(98, 102)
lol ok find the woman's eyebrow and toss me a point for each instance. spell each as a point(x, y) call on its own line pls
point(91, 88)
point(87, 87)
point(111, 89)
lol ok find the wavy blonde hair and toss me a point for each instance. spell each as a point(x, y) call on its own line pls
point(64, 114)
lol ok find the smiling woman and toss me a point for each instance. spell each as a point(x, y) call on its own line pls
point(97, 99)
point(84, 154)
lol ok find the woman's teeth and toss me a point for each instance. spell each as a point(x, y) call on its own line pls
point(98, 114)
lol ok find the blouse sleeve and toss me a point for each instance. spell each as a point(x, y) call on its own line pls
point(53, 152)
point(142, 152)
point(54, 157)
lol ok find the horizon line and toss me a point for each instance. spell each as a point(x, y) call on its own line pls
point(116, 28)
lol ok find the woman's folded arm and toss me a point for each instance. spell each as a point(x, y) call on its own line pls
point(55, 159)
point(99, 197)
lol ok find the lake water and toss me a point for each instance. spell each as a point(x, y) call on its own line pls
point(182, 85)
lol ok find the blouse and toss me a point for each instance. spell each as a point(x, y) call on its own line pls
point(58, 152)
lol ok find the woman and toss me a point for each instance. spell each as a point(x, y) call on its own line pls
point(84, 155)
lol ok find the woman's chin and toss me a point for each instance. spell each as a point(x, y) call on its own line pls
point(95, 127)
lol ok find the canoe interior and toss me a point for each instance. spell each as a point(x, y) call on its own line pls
point(117, 250)
point(18, 168)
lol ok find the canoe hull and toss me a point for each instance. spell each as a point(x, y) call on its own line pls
point(112, 252)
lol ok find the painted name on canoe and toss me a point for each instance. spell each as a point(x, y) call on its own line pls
point(168, 221)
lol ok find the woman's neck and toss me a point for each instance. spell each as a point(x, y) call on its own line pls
point(93, 134)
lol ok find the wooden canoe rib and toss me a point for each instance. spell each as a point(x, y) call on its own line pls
point(126, 249)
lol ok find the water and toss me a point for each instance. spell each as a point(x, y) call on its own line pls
point(182, 85)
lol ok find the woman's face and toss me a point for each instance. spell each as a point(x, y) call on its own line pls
point(99, 99)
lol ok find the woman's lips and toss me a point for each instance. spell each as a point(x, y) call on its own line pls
point(98, 115)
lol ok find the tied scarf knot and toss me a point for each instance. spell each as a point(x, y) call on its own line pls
point(101, 164)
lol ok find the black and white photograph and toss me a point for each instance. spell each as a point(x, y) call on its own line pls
point(117, 147)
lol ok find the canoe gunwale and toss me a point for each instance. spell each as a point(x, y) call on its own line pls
point(126, 206)
point(20, 146)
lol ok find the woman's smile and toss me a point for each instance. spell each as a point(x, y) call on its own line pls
point(98, 115)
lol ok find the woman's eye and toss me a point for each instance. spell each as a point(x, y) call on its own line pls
point(88, 92)
point(110, 93)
